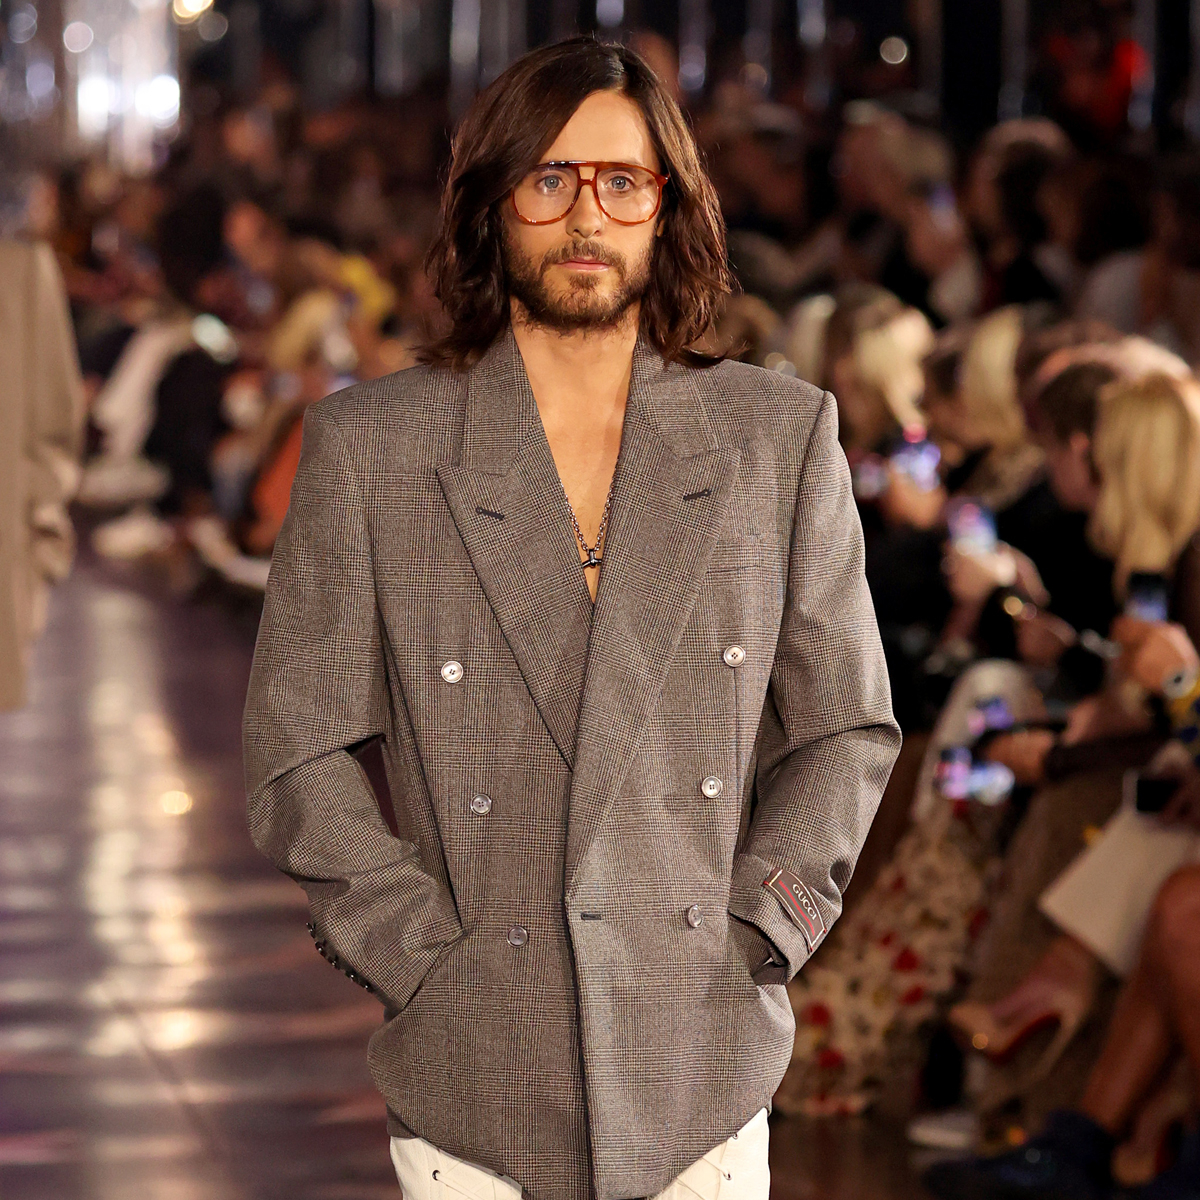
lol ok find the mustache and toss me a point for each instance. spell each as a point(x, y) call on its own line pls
point(596, 251)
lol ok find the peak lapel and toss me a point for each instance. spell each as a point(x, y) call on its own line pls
point(656, 552)
point(508, 503)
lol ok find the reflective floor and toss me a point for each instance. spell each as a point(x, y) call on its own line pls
point(167, 1031)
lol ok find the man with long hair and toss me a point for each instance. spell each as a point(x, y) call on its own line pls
point(602, 599)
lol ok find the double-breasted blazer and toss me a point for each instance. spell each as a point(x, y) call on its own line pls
point(588, 800)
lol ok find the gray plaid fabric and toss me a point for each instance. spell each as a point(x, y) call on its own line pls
point(428, 524)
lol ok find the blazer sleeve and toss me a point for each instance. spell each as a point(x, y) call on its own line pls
point(827, 740)
point(55, 426)
point(317, 688)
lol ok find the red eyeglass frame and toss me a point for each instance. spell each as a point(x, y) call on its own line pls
point(597, 167)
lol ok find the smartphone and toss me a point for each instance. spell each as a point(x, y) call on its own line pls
point(990, 783)
point(988, 714)
point(944, 206)
point(1147, 598)
point(972, 527)
point(1151, 795)
point(869, 479)
point(919, 462)
point(959, 777)
point(952, 776)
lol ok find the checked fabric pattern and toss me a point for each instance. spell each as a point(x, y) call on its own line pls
point(585, 798)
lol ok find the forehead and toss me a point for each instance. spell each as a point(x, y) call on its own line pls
point(606, 127)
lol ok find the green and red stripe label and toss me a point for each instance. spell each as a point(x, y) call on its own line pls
point(799, 904)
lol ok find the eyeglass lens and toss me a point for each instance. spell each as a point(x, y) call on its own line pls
point(624, 193)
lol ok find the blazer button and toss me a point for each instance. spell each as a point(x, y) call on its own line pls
point(452, 671)
point(712, 787)
point(734, 656)
point(518, 935)
point(481, 805)
point(695, 918)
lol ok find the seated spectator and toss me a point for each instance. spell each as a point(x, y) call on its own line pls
point(873, 346)
point(1158, 1011)
point(160, 412)
point(975, 416)
point(1154, 291)
point(1002, 204)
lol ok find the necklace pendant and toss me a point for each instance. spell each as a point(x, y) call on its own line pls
point(591, 560)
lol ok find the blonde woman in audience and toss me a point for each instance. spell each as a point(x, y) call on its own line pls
point(1146, 514)
point(979, 424)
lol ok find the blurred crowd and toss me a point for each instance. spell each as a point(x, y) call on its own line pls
point(1010, 329)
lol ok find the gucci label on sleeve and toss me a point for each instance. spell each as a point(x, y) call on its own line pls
point(799, 904)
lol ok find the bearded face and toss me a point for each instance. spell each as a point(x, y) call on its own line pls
point(560, 295)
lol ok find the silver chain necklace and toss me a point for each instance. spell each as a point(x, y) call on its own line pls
point(593, 559)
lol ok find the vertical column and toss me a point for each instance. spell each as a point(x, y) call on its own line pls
point(812, 27)
point(245, 46)
point(564, 22)
point(610, 15)
point(1014, 40)
point(352, 44)
point(464, 54)
point(409, 43)
point(1145, 33)
point(393, 30)
point(501, 36)
point(693, 46)
point(1191, 112)
point(928, 20)
point(756, 44)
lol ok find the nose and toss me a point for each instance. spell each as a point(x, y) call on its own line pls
point(586, 218)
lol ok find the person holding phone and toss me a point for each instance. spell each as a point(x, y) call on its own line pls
point(1130, 903)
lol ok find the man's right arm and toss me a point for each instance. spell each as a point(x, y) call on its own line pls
point(317, 688)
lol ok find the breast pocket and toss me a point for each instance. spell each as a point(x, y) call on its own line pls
point(739, 553)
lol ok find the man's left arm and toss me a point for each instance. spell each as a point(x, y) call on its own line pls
point(828, 740)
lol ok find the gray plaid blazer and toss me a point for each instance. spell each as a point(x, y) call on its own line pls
point(583, 798)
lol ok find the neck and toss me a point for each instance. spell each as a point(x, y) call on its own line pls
point(582, 371)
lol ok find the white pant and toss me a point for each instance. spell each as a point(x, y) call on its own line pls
point(734, 1170)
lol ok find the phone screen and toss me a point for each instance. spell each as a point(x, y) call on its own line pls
point(919, 462)
point(988, 714)
point(972, 527)
point(1153, 795)
point(1147, 598)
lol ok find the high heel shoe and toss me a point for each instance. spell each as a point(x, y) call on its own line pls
point(1146, 1151)
point(977, 1028)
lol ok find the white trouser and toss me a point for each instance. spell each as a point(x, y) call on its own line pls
point(734, 1170)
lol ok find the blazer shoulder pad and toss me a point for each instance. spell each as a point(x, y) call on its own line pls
point(409, 420)
point(757, 395)
point(391, 398)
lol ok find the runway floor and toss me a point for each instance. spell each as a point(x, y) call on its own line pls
point(167, 1031)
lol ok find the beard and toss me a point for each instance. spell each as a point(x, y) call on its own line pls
point(582, 305)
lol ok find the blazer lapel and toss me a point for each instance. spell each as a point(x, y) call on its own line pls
point(671, 494)
point(509, 506)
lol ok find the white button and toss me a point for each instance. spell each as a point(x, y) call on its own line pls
point(712, 786)
point(518, 935)
point(481, 805)
point(452, 671)
point(695, 918)
point(734, 656)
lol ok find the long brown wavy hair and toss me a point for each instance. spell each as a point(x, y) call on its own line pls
point(505, 132)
